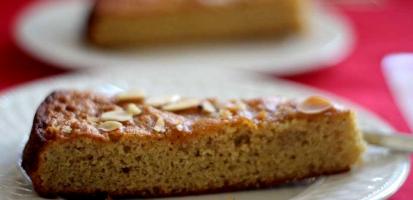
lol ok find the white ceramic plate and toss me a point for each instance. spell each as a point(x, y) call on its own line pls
point(379, 176)
point(51, 31)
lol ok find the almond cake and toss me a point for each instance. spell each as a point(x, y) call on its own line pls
point(88, 144)
point(127, 23)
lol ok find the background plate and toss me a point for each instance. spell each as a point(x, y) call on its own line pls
point(380, 175)
point(51, 31)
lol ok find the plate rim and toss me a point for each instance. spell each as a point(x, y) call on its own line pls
point(383, 193)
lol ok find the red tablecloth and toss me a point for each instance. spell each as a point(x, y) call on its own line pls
point(380, 30)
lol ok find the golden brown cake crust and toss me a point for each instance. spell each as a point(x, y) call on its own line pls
point(79, 110)
point(128, 23)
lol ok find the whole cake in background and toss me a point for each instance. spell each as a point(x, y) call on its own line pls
point(126, 23)
point(127, 145)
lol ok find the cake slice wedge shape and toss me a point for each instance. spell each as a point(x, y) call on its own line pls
point(85, 144)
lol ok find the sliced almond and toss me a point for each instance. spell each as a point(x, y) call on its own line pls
point(240, 105)
point(160, 101)
point(116, 115)
point(132, 95)
point(226, 114)
point(181, 105)
point(133, 109)
point(314, 105)
point(180, 127)
point(208, 107)
point(110, 126)
point(159, 125)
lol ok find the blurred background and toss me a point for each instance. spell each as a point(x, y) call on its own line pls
point(361, 50)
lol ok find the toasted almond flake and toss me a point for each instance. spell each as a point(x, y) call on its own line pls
point(66, 129)
point(110, 126)
point(180, 127)
point(132, 95)
point(160, 101)
point(116, 115)
point(314, 105)
point(159, 125)
point(181, 105)
point(133, 109)
point(236, 106)
point(226, 114)
point(208, 107)
point(240, 105)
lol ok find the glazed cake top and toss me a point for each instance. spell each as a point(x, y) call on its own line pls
point(66, 114)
